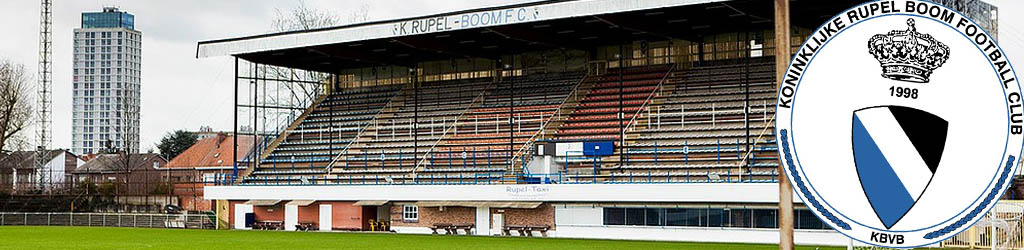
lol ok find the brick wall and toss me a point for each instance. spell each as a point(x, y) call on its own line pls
point(431, 215)
point(348, 216)
point(194, 203)
point(544, 215)
point(310, 213)
point(345, 215)
point(231, 212)
point(275, 212)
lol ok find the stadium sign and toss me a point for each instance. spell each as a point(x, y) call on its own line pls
point(466, 20)
point(460, 20)
point(900, 123)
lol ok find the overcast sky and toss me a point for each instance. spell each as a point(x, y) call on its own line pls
point(182, 92)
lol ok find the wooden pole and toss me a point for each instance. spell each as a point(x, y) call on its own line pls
point(782, 56)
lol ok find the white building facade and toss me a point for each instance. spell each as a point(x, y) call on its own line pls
point(106, 82)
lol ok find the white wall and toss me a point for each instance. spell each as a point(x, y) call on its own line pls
point(661, 192)
point(588, 222)
point(240, 211)
point(53, 172)
point(579, 215)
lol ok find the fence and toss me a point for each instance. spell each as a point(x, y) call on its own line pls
point(1004, 219)
point(196, 221)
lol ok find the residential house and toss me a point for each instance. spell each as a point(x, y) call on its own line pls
point(20, 173)
point(208, 161)
point(137, 174)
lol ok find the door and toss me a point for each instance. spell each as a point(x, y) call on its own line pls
point(499, 223)
point(291, 217)
point(325, 217)
point(483, 221)
point(241, 210)
point(369, 216)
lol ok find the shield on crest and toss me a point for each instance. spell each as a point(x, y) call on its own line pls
point(896, 151)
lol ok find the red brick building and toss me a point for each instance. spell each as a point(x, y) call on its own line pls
point(202, 164)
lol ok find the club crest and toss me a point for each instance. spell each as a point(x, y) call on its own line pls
point(909, 141)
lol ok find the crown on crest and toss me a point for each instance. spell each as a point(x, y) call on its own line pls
point(906, 55)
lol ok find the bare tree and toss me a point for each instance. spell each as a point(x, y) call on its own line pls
point(359, 14)
point(15, 103)
point(291, 87)
point(124, 141)
point(302, 17)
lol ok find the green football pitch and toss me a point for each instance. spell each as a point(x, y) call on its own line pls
point(18, 237)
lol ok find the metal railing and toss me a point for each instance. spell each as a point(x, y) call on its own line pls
point(194, 221)
point(1005, 220)
point(344, 151)
point(281, 135)
point(633, 120)
point(650, 98)
point(753, 147)
point(455, 124)
point(528, 146)
point(633, 177)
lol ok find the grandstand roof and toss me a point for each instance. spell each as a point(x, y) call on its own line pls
point(476, 33)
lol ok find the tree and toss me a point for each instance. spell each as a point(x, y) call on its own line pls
point(304, 18)
point(126, 126)
point(175, 142)
point(15, 102)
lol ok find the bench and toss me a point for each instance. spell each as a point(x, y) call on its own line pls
point(174, 223)
point(452, 228)
point(525, 230)
point(441, 226)
point(466, 227)
point(268, 225)
point(304, 226)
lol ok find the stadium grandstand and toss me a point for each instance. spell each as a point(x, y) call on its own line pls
point(648, 119)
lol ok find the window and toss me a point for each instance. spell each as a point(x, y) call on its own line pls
point(765, 218)
point(707, 217)
point(655, 217)
point(717, 217)
point(410, 213)
point(614, 216)
point(805, 219)
point(691, 217)
point(635, 216)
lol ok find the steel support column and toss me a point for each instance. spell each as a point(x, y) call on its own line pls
point(622, 115)
point(234, 129)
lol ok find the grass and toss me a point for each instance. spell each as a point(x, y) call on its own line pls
point(27, 237)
